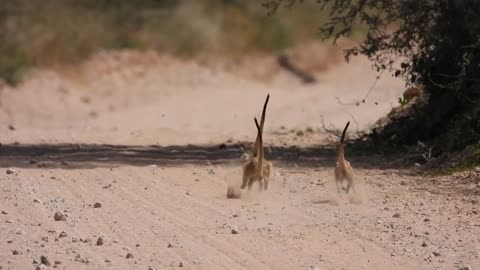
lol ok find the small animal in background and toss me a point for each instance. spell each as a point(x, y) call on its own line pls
point(409, 94)
point(343, 169)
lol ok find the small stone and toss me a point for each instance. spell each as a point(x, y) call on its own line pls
point(9, 221)
point(426, 220)
point(58, 262)
point(40, 267)
point(36, 201)
point(10, 171)
point(11, 127)
point(180, 264)
point(108, 261)
point(19, 232)
point(44, 260)
point(393, 254)
point(97, 205)
point(466, 267)
point(59, 216)
point(234, 231)
point(436, 254)
point(424, 244)
point(188, 193)
point(300, 133)
point(100, 241)
point(62, 234)
point(169, 245)
point(4, 213)
point(15, 252)
point(129, 256)
point(152, 268)
point(235, 215)
point(211, 172)
point(396, 215)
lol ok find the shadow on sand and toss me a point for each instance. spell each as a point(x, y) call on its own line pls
point(102, 155)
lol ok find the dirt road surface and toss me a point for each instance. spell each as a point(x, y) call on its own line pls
point(139, 149)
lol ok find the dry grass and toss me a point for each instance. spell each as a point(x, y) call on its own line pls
point(51, 32)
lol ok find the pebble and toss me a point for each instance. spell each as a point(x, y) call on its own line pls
point(129, 256)
point(466, 267)
point(15, 252)
point(234, 231)
point(62, 234)
point(59, 216)
point(436, 254)
point(19, 232)
point(36, 201)
point(10, 171)
point(152, 268)
point(4, 213)
point(40, 267)
point(44, 260)
point(97, 205)
point(396, 215)
point(9, 221)
point(180, 264)
point(100, 241)
point(189, 193)
point(424, 244)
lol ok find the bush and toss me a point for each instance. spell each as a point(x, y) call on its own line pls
point(435, 44)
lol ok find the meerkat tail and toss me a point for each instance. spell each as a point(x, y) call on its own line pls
point(344, 131)
point(341, 155)
point(260, 149)
point(262, 121)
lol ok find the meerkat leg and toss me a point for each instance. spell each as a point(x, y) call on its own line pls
point(350, 184)
point(245, 181)
point(265, 183)
point(261, 185)
point(250, 182)
point(339, 186)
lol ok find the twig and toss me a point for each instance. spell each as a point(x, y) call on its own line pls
point(357, 103)
point(330, 130)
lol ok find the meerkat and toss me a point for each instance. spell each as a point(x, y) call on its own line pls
point(249, 167)
point(343, 169)
point(257, 170)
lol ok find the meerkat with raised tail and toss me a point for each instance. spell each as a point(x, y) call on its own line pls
point(343, 169)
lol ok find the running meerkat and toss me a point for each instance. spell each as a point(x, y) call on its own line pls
point(343, 169)
point(257, 170)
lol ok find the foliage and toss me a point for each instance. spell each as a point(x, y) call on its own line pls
point(433, 43)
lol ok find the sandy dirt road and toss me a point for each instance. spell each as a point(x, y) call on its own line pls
point(144, 138)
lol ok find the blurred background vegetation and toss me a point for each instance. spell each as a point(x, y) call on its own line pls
point(55, 32)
